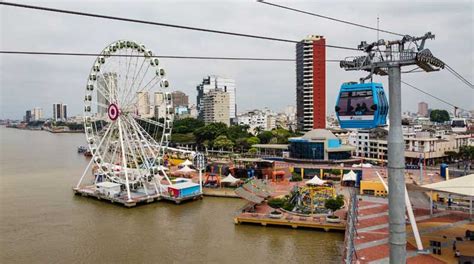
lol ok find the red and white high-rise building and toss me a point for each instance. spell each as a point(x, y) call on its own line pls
point(311, 83)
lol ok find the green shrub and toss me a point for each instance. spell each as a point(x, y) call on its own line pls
point(296, 177)
point(287, 206)
point(334, 204)
point(276, 202)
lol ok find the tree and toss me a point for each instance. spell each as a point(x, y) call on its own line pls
point(241, 144)
point(466, 152)
point(452, 155)
point(186, 125)
point(334, 204)
point(273, 140)
point(183, 138)
point(258, 130)
point(282, 135)
point(223, 142)
point(253, 140)
point(210, 132)
point(335, 172)
point(439, 116)
point(238, 131)
point(265, 137)
point(253, 151)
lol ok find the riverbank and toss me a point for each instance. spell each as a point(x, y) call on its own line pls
point(51, 130)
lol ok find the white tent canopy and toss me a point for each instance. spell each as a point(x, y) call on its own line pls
point(186, 169)
point(315, 181)
point(350, 176)
point(230, 179)
point(186, 163)
point(462, 185)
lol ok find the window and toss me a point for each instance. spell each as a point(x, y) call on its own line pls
point(356, 103)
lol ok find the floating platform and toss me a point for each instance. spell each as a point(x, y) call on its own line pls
point(136, 197)
point(290, 221)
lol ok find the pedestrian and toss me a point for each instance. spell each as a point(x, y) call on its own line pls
point(454, 245)
point(457, 254)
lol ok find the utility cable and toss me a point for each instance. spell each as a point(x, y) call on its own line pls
point(77, 13)
point(435, 97)
point(200, 58)
point(157, 56)
point(330, 18)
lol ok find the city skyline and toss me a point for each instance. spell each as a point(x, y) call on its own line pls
point(258, 81)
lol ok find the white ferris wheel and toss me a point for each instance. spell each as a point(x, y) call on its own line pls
point(128, 118)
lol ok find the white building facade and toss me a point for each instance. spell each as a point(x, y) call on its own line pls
point(215, 104)
point(213, 82)
point(105, 83)
point(37, 114)
point(432, 147)
point(259, 120)
point(59, 112)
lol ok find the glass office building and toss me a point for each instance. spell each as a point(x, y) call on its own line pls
point(319, 144)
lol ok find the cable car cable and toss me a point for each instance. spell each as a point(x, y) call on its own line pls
point(158, 56)
point(459, 76)
point(435, 97)
point(450, 69)
point(198, 58)
point(77, 13)
point(330, 18)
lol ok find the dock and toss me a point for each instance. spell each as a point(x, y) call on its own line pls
point(136, 199)
point(219, 192)
point(290, 221)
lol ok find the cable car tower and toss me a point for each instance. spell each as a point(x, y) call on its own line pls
point(387, 58)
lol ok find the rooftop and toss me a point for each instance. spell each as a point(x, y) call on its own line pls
point(271, 146)
point(316, 134)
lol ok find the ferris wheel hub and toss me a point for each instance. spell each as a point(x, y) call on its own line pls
point(113, 112)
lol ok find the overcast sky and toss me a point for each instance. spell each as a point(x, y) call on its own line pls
point(40, 81)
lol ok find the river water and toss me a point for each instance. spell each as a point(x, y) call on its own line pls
point(41, 221)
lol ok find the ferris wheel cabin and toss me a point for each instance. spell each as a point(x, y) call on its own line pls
point(363, 105)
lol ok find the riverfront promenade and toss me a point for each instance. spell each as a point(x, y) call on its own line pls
point(371, 242)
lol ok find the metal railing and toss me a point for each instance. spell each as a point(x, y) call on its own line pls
point(351, 232)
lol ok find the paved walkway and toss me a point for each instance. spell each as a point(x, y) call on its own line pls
point(372, 231)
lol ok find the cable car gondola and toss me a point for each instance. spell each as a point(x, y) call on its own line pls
point(362, 105)
point(458, 125)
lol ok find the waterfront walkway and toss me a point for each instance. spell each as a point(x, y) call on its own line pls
point(372, 246)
